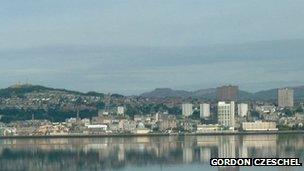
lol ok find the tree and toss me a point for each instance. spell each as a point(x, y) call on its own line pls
point(255, 114)
point(195, 115)
point(131, 111)
point(175, 111)
point(287, 112)
point(299, 109)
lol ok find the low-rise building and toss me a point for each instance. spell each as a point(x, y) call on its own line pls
point(102, 127)
point(97, 129)
point(141, 131)
point(167, 122)
point(266, 109)
point(114, 127)
point(86, 121)
point(295, 121)
point(201, 128)
point(259, 126)
point(101, 120)
point(127, 125)
point(6, 131)
point(139, 118)
point(120, 110)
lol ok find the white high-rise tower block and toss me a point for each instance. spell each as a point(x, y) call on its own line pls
point(242, 109)
point(204, 110)
point(187, 109)
point(226, 112)
point(285, 97)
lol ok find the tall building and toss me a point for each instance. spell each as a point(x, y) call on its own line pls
point(227, 93)
point(187, 109)
point(120, 110)
point(204, 110)
point(242, 109)
point(285, 97)
point(226, 112)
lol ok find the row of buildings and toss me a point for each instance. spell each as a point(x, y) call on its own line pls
point(204, 108)
point(231, 93)
point(225, 113)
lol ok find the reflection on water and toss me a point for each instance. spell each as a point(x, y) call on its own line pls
point(144, 153)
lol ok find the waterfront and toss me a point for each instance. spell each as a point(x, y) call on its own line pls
point(145, 153)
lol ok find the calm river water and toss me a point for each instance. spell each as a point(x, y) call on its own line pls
point(189, 153)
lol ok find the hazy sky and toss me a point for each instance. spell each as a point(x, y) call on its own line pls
point(133, 46)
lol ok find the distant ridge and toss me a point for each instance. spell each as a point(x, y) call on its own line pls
point(210, 94)
point(21, 89)
point(207, 94)
point(167, 92)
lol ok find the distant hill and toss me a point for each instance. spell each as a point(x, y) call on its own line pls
point(21, 90)
point(273, 93)
point(210, 94)
point(299, 92)
point(167, 92)
point(49, 103)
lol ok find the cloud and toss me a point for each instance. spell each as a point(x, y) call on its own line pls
point(133, 46)
point(132, 70)
point(155, 23)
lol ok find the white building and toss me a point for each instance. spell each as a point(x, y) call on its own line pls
point(187, 109)
point(204, 110)
point(102, 112)
point(102, 127)
point(266, 109)
point(242, 109)
point(141, 131)
point(207, 128)
point(259, 126)
point(86, 121)
point(285, 97)
point(120, 110)
point(226, 112)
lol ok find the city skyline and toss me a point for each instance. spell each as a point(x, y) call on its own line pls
point(28, 84)
point(151, 85)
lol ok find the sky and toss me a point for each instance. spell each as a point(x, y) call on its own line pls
point(133, 46)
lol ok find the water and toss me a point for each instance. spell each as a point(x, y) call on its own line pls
point(190, 153)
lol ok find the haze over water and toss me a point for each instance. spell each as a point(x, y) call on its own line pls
point(191, 153)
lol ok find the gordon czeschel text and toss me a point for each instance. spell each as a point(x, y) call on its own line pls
point(255, 162)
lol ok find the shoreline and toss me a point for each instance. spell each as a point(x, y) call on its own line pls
point(151, 134)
